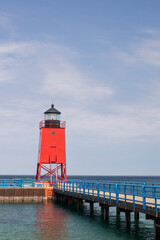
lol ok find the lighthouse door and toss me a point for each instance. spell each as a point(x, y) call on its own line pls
point(53, 154)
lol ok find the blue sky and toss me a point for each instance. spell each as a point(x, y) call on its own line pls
point(99, 62)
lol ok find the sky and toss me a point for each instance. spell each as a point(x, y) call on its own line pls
point(99, 63)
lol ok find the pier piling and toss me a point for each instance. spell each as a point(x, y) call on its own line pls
point(128, 219)
point(106, 213)
point(91, 208)
point(118, 210)
point(136, 216)
point(157, 227)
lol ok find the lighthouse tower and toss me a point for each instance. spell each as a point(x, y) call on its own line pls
point(52, 152)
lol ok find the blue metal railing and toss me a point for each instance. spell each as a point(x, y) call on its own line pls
point(20, 183)
point(146, 194)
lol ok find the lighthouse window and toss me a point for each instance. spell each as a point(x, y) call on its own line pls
point(53, 133)
point(52, 116)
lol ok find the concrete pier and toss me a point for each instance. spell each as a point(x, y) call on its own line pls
point(22, 195)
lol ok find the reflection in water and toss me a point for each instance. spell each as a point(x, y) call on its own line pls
point(51, 221)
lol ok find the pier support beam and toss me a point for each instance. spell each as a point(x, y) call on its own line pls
point(91, 208)
point(106, 213)
point(70, 201)
point(61, 199)
point(118, 211)
point(149, 217)
point(57, 198)
point(79, 204)
point(102, 210)
point(136, 216)
point(157, 227)
point(128, 219)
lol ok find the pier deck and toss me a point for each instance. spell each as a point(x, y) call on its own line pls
point(126, 197)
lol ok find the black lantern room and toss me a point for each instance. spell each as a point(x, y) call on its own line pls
point(52, 117)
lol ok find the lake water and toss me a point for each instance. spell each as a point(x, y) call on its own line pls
point(47, 221)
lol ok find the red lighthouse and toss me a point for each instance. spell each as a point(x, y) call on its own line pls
point(52, 152)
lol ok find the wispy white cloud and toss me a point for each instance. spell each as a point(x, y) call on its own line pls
point(151, 31)
point(124, 123)
point(67, 80)
point(6, 23)
point(145, 50)
point(49, 71)
point(14, 59)
point(59, 72)
point(38, 70)
point(149, 52)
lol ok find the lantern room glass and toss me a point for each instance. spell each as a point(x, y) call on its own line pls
point(52, 116)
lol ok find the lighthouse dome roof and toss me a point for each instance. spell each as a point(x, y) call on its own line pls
point(52, 110)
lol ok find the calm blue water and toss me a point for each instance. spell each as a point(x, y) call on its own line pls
point(149, 179)
point(48, 221)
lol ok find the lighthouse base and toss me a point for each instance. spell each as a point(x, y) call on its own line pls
point(51, 172)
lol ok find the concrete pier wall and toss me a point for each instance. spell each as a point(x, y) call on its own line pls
point(23, 195)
